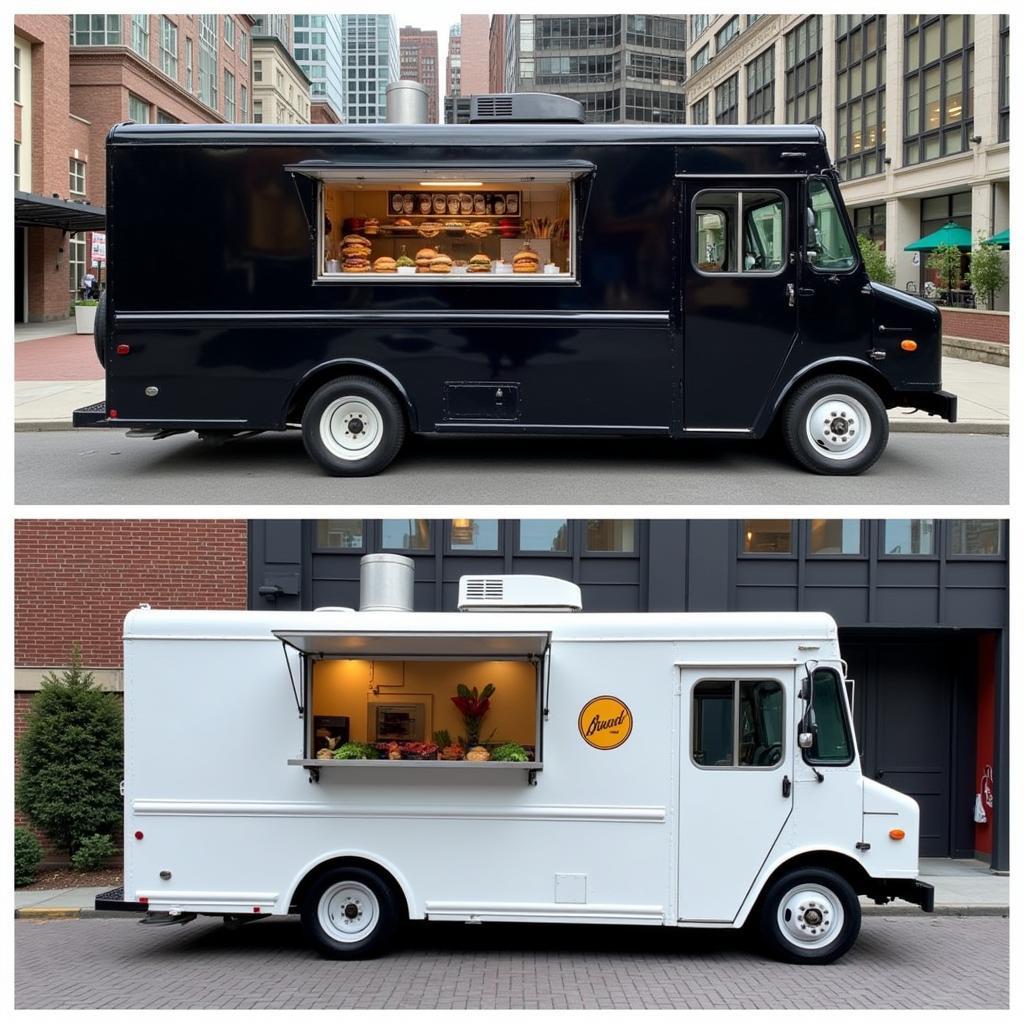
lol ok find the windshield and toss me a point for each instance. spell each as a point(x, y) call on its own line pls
point(828, 246)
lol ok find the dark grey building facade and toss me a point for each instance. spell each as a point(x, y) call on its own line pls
point(922, 607)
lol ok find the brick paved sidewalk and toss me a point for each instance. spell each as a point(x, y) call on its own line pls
point(65, 357)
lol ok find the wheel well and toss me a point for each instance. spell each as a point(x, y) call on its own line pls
point(323, 374)
point(840, 863)
point(865, 374)
point(347, 862)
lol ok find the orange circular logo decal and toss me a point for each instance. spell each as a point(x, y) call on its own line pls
point(605, 723)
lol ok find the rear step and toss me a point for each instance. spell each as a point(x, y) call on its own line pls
point(113, 899)
point(90, 415)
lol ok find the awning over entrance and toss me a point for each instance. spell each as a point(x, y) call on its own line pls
point(950, 233)
point(37, 211)
point(442, 172)
point(487, 646)
point(1002, 239)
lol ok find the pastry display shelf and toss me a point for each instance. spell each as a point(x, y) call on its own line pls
point(315, 765)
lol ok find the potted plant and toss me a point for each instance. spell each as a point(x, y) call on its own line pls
point(473, 705)
point(85, 315)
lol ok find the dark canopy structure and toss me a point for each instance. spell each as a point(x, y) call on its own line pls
point(32, 211)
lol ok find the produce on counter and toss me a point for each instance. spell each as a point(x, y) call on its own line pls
point(325, 754)
point(509, 752)
point(355, 752)
point(419, 751)
point(443, 738)
point(451, 752)
point(477, 754)
point(405, 261)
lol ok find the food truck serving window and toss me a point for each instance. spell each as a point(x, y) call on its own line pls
point(441, 700)
point(436, 225)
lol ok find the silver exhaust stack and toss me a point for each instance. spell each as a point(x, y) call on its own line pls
point(386, 583)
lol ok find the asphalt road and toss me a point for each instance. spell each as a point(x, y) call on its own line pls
point(913, 962)
point(103, 467)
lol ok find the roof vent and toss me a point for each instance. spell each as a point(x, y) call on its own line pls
point(525, 107)
point(518, 593)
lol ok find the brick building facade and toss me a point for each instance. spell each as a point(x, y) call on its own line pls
point(418, 56)
point(75, 579)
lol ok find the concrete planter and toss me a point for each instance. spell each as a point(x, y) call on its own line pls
point(85, 318)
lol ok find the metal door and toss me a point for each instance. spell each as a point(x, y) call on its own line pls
point(730, 815)
point(737, 282)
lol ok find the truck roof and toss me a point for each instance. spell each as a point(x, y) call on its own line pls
point(536, 133)
point(150, 624)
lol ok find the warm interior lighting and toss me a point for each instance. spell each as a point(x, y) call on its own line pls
point(451, 184)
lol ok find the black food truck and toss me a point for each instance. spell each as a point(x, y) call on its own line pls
point(523, 274)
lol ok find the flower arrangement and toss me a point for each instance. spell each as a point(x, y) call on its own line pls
point(473, 705)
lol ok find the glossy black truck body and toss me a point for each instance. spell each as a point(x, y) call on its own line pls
point(217, 319)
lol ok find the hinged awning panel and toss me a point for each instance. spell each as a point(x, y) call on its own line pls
point(344, 168)
point(487, 646)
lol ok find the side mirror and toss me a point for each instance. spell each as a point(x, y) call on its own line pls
point(812, 236)
point(805, 740)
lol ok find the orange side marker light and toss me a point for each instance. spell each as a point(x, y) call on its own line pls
point(897, 833)
point(908, 345)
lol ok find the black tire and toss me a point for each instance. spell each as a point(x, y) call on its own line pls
point(100, 330)
point(816, 944)
point(346, 894)
point(827, 456)
point(369, 406)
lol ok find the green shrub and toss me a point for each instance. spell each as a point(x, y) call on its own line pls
point(87, 302)
point(93, 852)
point(946, 259)
point(988, 272)
point(878, 267)
point(72, 759)
point(27, 855)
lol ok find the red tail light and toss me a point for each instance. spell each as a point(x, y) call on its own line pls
point(123, 350)
point(112, 413)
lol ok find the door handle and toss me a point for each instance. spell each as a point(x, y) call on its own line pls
point(805, 293)
point(786, 786)
point(790, 295)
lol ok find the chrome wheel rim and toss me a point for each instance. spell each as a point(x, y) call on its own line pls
point(811, 916)
point(838, 427)
point(351, 428)
point(348, 912)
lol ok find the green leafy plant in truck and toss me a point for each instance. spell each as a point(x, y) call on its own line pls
point(356, 752)
point(473, 705)
point(27, 855)
point(72, 758)
point(509, 752)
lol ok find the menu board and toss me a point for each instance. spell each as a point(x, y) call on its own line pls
point(454, 204)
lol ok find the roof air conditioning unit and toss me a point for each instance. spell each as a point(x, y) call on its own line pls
point(518, 594)
point(525, 107)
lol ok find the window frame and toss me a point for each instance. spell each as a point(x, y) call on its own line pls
point(736, 680)
point(74, 177)
point(766, 61)
point(140, 26)
point(318, 549)
point(378, 539)
point(843, 556)
point(733, 110)
point(168, 55)
point(1003, 111)
point(586, 552)
point(844, 221)
point(794, 541)
point(848, 725)
point(449, 549)
point(139, 99)
point(937, 546)
point(704, 107)
point(947, 544)
point(519, 550)
point(738, 192)
point(877, 95)
point(734, 24)
point(792, 72)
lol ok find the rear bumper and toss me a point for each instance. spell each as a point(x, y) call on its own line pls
point(921, 894)
point(113, 899)
point(935, 403)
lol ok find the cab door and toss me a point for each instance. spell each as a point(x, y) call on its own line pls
point(735, 783)
point(737, 288)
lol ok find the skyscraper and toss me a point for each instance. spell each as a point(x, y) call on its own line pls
point(468, 50)
point(317, 48)
point(370, 60)
point(418, 56)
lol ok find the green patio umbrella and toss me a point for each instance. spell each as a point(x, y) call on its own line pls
point(949, 234)
point(1002, 239)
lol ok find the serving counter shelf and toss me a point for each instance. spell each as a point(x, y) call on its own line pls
point(314, 765)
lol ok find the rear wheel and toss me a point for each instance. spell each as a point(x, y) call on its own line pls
point(835, 425)
point(350, 913)
point(809, 916)
point(353, 426)
point(99, 330)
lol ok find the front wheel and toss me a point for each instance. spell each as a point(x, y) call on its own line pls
point(835, 425)
point(353, 426)
point(350, 914)
point(809, 916)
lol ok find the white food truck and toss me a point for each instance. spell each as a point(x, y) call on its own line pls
point(689, 770)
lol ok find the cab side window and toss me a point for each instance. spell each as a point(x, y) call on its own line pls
point(827, 245)
point(737, 723)
point(739, 232)
point(832, 742)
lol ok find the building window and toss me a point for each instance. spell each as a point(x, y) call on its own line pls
point(17, 167)
point(76, 262)
point(340, 534)
point(189, 79)
point(655, 106)
point(860, 94)
point(257, 71)
point(208, 59)
point(727, 33)
point(699, 111)
point(96, 30)
point(604, 536)
point(699, 24)
point(229, 32)
point(699, 59)
point(1004, 77)
point(975, 538)
point(761, 88)
point(727, 104)
point(257, 111)
point(473, 535)
point(938, 85)
point(243, 47)
point(738, 232)
point(803, 72)
point(935, 212)
point(550, 536)
point(17, 74)
point(140, 34)
point(76, 176)
point(168, 47)
point(751, 18)
point(834, 537)
point(901, 537)
point(162, 117)
point(229, 96)
point(244, 97)
point(767, 537)
point(138, 109)
point(405, 534)
point(869, 221)
point(738, 723)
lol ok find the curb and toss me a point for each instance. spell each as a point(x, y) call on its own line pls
point(47, 913)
